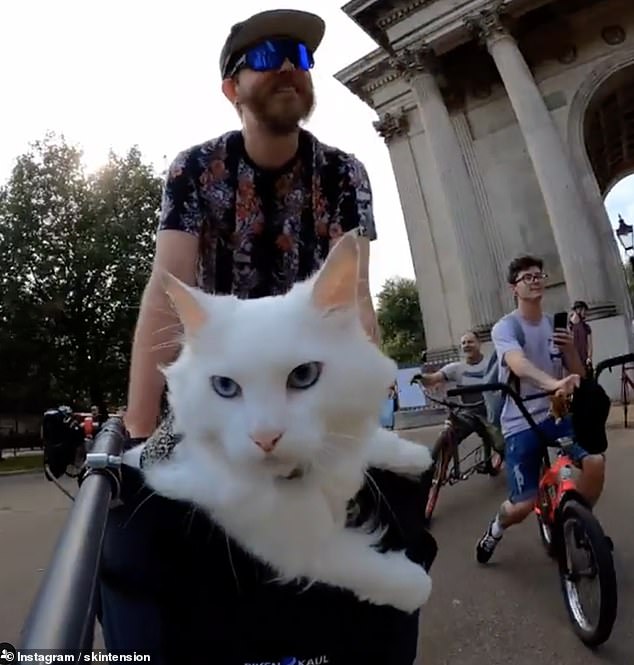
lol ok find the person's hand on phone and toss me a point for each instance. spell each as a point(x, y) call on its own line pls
point(563, 340)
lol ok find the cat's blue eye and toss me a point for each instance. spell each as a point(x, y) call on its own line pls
point(304, 376)
point(225, 387)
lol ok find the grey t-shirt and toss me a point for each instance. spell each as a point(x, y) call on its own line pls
point(464, 374)
point(541, 352)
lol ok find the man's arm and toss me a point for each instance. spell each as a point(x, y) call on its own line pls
point(156, 330)
point(510, 350)
point(157, 325)
point(444, 375)
point(432, 380)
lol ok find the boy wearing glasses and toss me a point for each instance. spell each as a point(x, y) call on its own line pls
point(537, 358)
point(248, 213)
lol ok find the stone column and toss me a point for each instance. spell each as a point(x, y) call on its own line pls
point(493, 235)
point(571, 221)
point(482, 282)
point(439, 333)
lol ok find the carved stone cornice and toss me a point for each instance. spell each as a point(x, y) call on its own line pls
point(415, 60)
point(376, 17)
point(489, 25)
point(370, 78)
point(403, 11)
point(392, 125)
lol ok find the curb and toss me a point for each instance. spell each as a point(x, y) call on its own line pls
point(21, 472)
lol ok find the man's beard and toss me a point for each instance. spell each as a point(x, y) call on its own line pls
point(279, 113)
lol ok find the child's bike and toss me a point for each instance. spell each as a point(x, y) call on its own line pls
point(571, 533)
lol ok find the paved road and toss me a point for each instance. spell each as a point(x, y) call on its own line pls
point(509, 613)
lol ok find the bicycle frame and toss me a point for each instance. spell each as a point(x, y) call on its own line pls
point(454, 447)
point(457, 474)
point(554, 485)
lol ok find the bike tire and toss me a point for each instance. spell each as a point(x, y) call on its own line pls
point(604, 564)
point(547, 537)
point(441, 463)
point(547, 531)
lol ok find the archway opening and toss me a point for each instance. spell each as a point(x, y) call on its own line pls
point(609, 139)
point(619, 203)
point(609, 129)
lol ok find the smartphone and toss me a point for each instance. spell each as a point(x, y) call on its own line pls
point(560, 321)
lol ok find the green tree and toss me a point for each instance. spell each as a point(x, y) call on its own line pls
point(76, 253)
point(400, 319)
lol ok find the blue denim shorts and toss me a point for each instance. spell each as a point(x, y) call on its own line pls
point(523, 461)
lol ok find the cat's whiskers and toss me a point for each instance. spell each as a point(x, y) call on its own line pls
point(372, 484)
point(376, 490)
point(330, 451)
point(136, 510)
point(190, 513)
point(233, 568)
point(341, 435)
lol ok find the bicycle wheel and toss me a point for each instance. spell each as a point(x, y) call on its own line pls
point(441, 458)
point(546, 536)
point(586, 555)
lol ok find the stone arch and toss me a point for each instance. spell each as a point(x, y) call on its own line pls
point(590, 89)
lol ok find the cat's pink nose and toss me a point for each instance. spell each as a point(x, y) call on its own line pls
point(266, 440)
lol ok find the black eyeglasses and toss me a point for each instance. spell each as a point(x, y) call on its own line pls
point(531, 277)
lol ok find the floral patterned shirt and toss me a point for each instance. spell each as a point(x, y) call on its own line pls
point(260, 231)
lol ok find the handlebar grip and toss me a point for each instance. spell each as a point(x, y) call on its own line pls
point(613, 362)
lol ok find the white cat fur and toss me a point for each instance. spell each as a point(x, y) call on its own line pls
point(330, 430)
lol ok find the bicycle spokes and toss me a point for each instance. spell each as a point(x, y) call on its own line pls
point(582, 585)
point(587, 575)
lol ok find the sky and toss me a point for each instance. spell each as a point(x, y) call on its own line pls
point(110, 75)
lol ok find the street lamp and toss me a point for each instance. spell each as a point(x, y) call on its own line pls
point(625, 234)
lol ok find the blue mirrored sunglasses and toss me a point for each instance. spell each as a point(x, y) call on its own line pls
point(271, 55)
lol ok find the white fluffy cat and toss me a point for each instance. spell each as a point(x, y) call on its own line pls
point(277, 400)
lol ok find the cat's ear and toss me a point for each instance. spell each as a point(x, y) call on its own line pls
point(337, 282)
point(188, 307)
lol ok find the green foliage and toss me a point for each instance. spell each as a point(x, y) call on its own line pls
point(76, 251)
point(399, 316)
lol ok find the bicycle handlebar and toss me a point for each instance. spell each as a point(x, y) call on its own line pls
point(454, 405)
point(63, 612)
point(609, 363)
point(444, 402)
point(507, 390)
